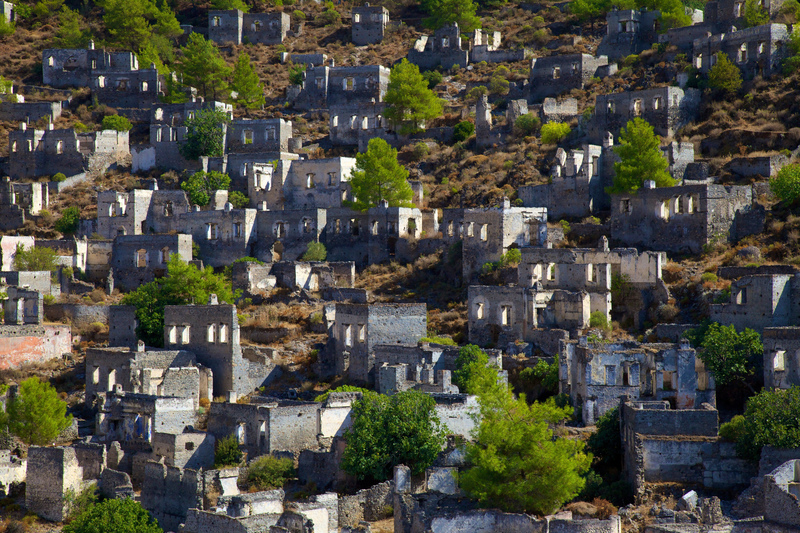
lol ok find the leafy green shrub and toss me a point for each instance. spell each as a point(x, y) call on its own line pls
point(435, 339)
point(420, 150)
point(708, 277)
point(315, 251)
point(36, 414)
point(733, 431)
point(228, 452)
point(238, 199)
point(725, 76)
point(433, 77)
point(463, 131)
point(342, 388)
point(511, 258)
point(598, 319)
point(68, 223)
point(116, 122)
point(786, 184)
point(49, 299)
point(329, 17)
point(554, 132)
point(754, 14)
point(59, 177)
point(476, 92)
point(6, 28)
point(119, 515)
point(771, 418)
point(298, 15)
point(268, 472)
point(527, 124)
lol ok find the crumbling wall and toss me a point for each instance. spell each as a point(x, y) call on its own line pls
point(23, 344)
point(169, 492)
point(52, 474)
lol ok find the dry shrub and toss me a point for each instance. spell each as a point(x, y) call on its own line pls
point(605, 509)
point(97, 296)
point(205, 403)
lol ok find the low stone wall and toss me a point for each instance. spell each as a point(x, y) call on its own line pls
point(369, 504)
point(33, 344)
point(79, 315)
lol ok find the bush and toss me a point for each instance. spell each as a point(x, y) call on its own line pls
point(298, 15)
point(296, 73)
point(68, 223)
point(268, 472)
point(433, 77)
point(708, 277)
point(598, 319)
point(786, 185)
point(421, 150)
point(511, 258)
point(6, 28)
point(732, 431)
point(315, 251)
point(770, 419)
point(116, 122)
point(725, 76)
point(463, 131)
point(238, 199)
point(59, 177)
point(228, 452)
point(527, 124)
point(435, 339)
point(329, 17)
point(554, 132)
point(343, 388)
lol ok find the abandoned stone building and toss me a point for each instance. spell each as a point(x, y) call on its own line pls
point(490, 232)
point(580, 177)
point(34, 153)
point(51, 474)
point(81, 67)
point(36, 280)
point(139, 259)
point(354, 331)
point(20, 110)
point(20, 200)
point(683, 218)
point(7, 11)
point(662, 444)
point(442, 49)
point(667, 109)
point(760, 301)
point(172, 373)
point(629, 31)
point(781, 357)
point(757, 51)
point(211, 332)
point(559, 74)
point(485, 46)
point(356, 124)
point(332, 87)
point(369, 24)
point(140, 212)
point(726, 13)
point(222, 235)
point(233, 26)
point(596, 375)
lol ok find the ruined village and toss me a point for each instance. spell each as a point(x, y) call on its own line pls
point(291, 266)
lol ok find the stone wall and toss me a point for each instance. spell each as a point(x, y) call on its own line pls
point(78, 315)
point(52, 474)
point(33, 344)
point(169, 492)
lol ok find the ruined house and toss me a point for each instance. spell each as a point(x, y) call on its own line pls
point(132, 419)
point(7, 11)
point(81, 67)
point(760, 301)
point(369, 24)
point(172, 373)
point(139, 259)
point(629, 31)
point(234, 26)
point(52, 475)
point(683, 218)
point(34, 153)
point(757, 51)
point(559, 74)
point(781, 357)
point(140, 212)
point(666, 109)
point(596, 375)
point(24, 338)
point(485, 46)
point(337, 87)
point(356, 329)
point(21, 200)
point(442, 49)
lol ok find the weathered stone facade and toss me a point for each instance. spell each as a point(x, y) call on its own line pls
point(369, 24)
point(757, 51)
point(139, 259)
point(558, 74)
point(255, 28)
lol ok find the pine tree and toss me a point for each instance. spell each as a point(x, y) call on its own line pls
point(641, 158)
point(725, 76)
point(36, 414)
point(410, 101)
point(246, 84)
point(69, 33)
point(127, 21)
point(205, 134)
point(444, 12)
point(203, 67)
point(378, 176)
point(230, 4)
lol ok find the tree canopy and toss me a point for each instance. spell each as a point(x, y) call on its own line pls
point(69, 33)
point(203, 67)
point(35, 258)
point(246, 84)
point(146, 28)
point(473, 374)
point(641, 159)
point(68, 223)
point(786, 184)
point(772, 417)
point(724, 76)
point(673, 12)
point(409, 100)
point(119, 515)
point(444, 12)
point(201, 185)
point(379, 176)
point(755, 14)
point(183, 284)
point(36, 414)
point(116, 122)
point(728, 354)
point(205, 134)
point(392, 430)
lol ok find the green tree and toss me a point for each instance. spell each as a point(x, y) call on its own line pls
point(296, 73)
point(463, 131)
point(792, 62)
point(315, 251)
point(238, 199)
point(68, 223)
point(605, 444)
point(433, 77)
point(378, 176)
point(119, 515)
point(203, 67)
point(7, 28)
point(268, 472)
point(201, 185)
point(473, 374)
point(183, 284)
point(36, 414)
point(771, 418)
point(249, 92)
point(527, 124)
point(174, 91)
point(554, 132)
point(409, 100)
point(388, 431)
point(35, 258)
point(205, 134)
point(116, 122)
point(499, 83)
point(444, 12)
point(517, 463)
point(786, 184)
point(127, 22)
point(227, 452)
point(724, 76)
point(754, 14)
point(230, 4)
point(69, 33)
point(728, 354)
point(641, 158)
